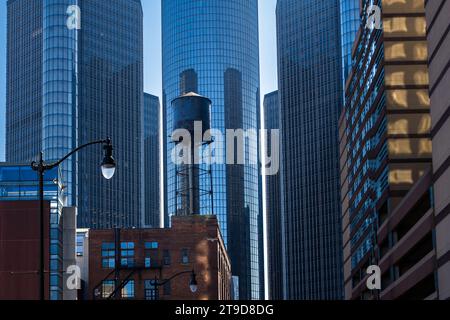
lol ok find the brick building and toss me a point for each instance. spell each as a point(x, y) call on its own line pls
point(20, 235)
point(146, 256)
point(19, 250)
point(438, 38)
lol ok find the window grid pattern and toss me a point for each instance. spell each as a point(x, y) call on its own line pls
point(108, 255)
point(272, 121)
point(110, 104)
point(151, 168)
point(24, 81)
point(350, 22)
point(127, 254)
point(310, 92)
point(363, 99)
point(68, 87)
point(60, 76)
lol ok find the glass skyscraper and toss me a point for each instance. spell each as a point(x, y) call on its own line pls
point(310, 93)
point(111, 93)
point(24, 66)
point(211, 48)
point(273, 203)
point(151, 167)
point(350, 21)
point(59, 88)
point(69, 86)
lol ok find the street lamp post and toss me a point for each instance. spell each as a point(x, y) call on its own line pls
point(108, 168)
point(193, 285)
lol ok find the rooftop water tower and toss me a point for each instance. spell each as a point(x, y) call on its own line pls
point(190, 183)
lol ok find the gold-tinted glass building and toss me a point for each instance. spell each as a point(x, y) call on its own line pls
point(385, 146)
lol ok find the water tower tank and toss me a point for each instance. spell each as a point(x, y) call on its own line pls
point(190, 108)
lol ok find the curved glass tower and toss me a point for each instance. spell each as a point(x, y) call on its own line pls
point(75, 77)
point(211, 48)
point(59, 111)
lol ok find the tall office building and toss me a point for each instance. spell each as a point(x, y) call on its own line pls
point(350, 21)
point(211, 48)
point(385, 151)
point(151, 168)
point(24, 66)
point(310, 93)
point(438, 38)
point(273, 204)
point(68, 86)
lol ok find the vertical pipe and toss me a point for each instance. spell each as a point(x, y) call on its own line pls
point(41, 224)
point(117, 264)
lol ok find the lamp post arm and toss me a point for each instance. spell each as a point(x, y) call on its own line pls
point(159, 284)
point(55, 164)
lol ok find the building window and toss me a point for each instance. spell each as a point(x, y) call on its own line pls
point(55, 280)
point(108, 255)
point(151, 254)
point(166, 257)
point(151, 245)
point(151, 290)
point(55, 295)
point(107, 288)
point(80, 245)
point(184, 256)
point(55, 249)
point(127, 254)
point(148, 262)
point(128, 290)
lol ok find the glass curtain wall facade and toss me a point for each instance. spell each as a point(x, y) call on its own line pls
point(111, 97)
point(151, 167)
point(24, 80)
point(67, 87)
point(273, 204)
point(211, 48)
point(350, 21)
point(310, 93)
point(59, 86)
point(384, 136)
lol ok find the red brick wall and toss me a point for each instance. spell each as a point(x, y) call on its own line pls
point(19, 249)
point(199, 234)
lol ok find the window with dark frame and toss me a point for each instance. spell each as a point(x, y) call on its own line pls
point(127, 254)
point(184, 256)
point(108, 255)
point(151, 254)
point(107, 288)
point(128, 290)
point(166, 257)
point(151, 290)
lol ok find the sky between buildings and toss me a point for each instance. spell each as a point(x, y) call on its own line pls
point(152, 53)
